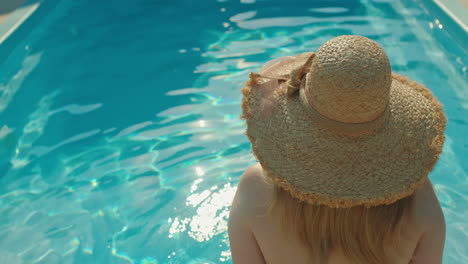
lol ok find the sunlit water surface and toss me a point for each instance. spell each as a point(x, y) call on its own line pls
point(120, 136)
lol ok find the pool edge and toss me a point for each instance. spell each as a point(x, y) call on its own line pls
point(16, 18)
point(22, 22)
point(457, 12)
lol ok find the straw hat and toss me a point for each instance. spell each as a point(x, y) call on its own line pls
point(336, 127)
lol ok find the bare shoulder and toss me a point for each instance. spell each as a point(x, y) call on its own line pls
point(431, 222)
point(254, 191)
point(254, 174)
point(427, 208)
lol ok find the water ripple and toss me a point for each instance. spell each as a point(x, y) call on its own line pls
point(137, 157)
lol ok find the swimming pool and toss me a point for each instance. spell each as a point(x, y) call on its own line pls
point(120, 136)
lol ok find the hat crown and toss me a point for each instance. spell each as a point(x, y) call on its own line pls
point(349, 80)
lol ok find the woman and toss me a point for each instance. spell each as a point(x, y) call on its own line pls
point(344, 149)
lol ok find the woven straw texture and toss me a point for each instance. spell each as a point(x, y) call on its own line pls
point(350, 67)
point(333, 152)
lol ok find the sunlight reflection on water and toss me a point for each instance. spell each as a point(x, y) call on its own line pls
point(90, 177)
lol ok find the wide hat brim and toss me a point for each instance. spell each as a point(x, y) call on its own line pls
point(319, 166)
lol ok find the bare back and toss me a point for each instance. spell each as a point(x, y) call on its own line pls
point(258, 238)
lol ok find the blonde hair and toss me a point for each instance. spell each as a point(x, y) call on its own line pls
point(360, 233)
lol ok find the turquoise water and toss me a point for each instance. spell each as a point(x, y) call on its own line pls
point(120, 137)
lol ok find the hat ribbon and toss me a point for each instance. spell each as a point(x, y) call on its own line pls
point(295, 83)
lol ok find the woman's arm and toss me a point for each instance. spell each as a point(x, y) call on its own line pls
point(244, 246)
point(431, 244)
point(430, 247)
